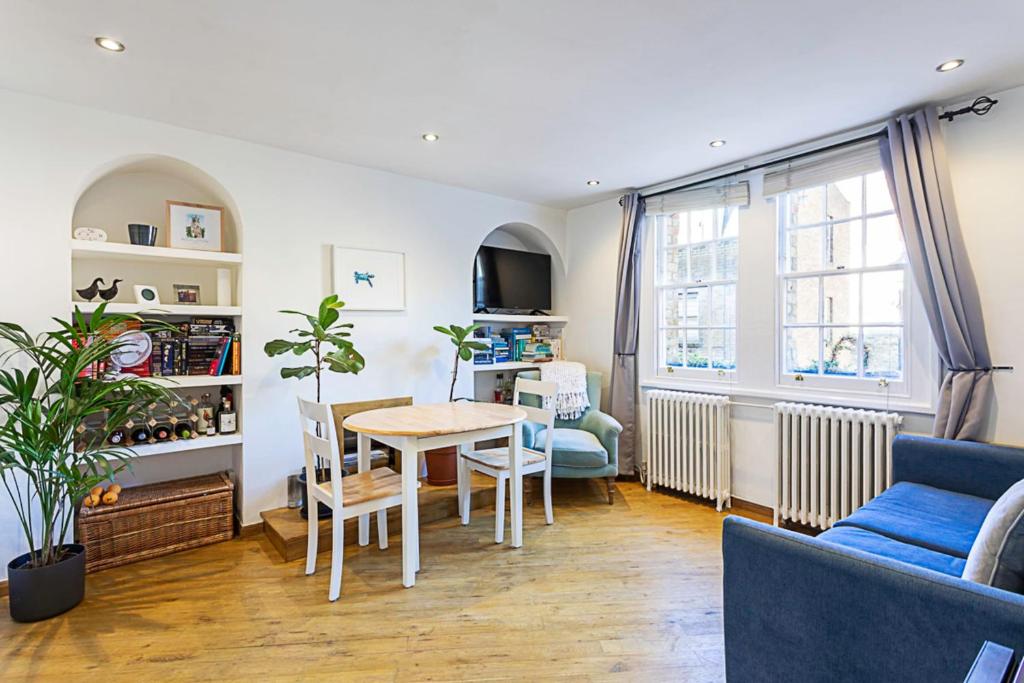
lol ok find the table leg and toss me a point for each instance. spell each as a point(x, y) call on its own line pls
point(515, 445)
point(363, 466)
point(410, 513)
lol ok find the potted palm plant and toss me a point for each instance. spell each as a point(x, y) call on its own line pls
point(49, 391)
point(441, 462)
point(326, 339)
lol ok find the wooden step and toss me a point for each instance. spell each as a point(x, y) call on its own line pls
point(286, 529)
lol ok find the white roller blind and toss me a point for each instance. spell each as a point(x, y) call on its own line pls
point(707, 197)
point(820, 169)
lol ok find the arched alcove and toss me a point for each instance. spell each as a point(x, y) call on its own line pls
point(526, 237)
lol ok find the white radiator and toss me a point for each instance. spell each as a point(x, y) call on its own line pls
point(688, 444)
point(830, 461)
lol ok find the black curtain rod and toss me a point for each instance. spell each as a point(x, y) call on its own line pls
point(782, 160)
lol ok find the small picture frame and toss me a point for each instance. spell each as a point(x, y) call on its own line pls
point(370, 280)
point(146, 294)
point(194, 226)
point(187, 295)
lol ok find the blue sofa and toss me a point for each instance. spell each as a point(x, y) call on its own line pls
point(879, 596)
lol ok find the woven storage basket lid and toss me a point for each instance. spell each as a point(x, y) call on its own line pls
point(163, 492)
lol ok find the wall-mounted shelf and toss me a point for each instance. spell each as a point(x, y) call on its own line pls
point(133, 252)
point(161, 309)
point(189, 381)
point(182, 445)
point(508, 318)
point(511, 365)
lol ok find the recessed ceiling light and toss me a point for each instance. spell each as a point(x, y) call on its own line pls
point(717, 143)
point(950, 65)
point(110, 44)
point(431, 137)
point(593, 183)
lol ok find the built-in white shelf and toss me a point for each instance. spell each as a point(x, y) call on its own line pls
point(188, 381)
point(510, 365)
point(162, 309)
point(134, 252)
point(183, 445)
point(508, 318)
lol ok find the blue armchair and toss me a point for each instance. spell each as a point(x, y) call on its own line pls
point(879, 596)
point(584, 448)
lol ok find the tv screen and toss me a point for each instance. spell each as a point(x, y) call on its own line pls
point(506, 278)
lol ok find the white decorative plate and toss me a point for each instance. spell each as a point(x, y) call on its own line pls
point(91, 234)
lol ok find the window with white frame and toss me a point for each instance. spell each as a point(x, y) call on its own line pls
point(842, 283)
point(697, 244)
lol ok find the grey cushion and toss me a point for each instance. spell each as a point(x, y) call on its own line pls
point(573, 448)
point(997, 556)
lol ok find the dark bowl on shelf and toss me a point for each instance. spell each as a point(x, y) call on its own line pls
point(141, 234)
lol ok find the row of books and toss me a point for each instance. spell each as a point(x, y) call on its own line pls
point(202, 346)
point(516, 344)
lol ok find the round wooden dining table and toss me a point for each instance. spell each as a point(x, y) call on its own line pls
point(417, 428)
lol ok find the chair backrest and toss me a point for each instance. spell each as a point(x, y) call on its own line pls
point(344, 410)
point(526, 395)
point(593, 393)
point(318, 442)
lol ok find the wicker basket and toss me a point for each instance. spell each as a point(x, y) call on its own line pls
point(157, 519)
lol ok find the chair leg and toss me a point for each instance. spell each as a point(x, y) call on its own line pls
point(549, 515)
point(312, 532)
point(382, 528)
point(611, 489)
point(499, 510)
point(337, 554)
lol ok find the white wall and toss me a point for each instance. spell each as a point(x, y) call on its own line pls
point(291, 208)
point(987, 161)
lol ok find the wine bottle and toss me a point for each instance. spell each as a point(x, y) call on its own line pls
point(141, 434)
point(227, 421)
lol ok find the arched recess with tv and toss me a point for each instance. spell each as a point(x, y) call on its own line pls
point(528, 238)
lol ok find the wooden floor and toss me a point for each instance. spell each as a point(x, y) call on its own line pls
point(624, 592)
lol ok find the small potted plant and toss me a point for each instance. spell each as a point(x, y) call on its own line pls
point(50, 390)
point(442, 462)
point(326, 339)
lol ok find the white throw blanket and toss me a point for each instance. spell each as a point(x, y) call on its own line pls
point(571, 401)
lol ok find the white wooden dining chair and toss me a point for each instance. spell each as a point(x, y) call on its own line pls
point(357, 494)
point(494, 462)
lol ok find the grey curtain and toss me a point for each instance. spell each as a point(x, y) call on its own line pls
point(914, 159)
point(627, 331)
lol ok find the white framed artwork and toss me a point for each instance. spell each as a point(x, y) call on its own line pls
point(370, 280)
point(193, 226)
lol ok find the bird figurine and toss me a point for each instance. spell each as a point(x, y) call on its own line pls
point(90, 292)
point(111, 292)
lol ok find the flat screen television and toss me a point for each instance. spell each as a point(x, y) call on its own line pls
point(507, 278)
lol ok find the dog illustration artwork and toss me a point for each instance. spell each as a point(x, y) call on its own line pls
point(363, 277)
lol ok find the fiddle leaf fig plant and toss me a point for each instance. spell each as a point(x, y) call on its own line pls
point(326, 338)
point(464, 347)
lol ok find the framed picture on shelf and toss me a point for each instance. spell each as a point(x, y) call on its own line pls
point(370, 280)
point(194, 226)
point(187, 295)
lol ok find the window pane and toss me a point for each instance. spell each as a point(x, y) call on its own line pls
point(674, 307)
point(698, 306)
point(884, 242)
point(883, 297)
point(801, 351)
point(843, 245)
point(725, 259)
point(700, 262)
point(883, 352)
point(803, 250)
point(675, 347)
point(673, 229)
point(839, 351)
point(844, 199)
point(878, 198)
point(730, 222)
point(841, 298)
point(806, 206)
point(723, 305)
point(702, 225)
point(722, 349)
point(802, 300)
point(675, 267)
point(696, 348)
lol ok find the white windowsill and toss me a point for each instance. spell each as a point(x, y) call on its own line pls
point(900, 405)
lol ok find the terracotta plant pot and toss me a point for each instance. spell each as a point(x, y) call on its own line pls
point(441, 466)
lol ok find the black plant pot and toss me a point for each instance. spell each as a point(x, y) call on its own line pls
point(323, 512)
point(38, 593)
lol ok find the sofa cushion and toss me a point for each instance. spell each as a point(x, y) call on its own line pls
point(997, 556)
point(921, 515)
point(573, 448)
point(876, 544)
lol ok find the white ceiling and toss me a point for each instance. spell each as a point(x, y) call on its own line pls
point(531, 97)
